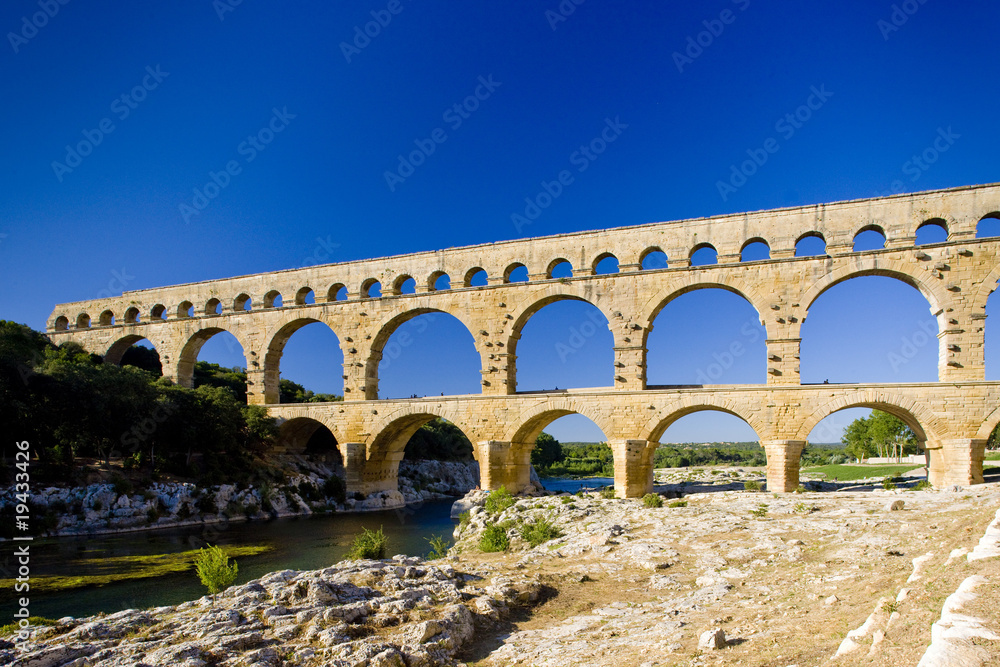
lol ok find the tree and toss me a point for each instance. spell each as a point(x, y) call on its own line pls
point(880, 434)
point(547, 452)
point(214, 570)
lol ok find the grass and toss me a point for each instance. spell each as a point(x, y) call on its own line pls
point(678, 503)
point(652, 500)
point(127, 568)
point(539, 531)
point(992, 456)
point(34, 621)
point(368, 545)
point(847, 473)
point(498, 501)
point(494, 539)
point(752, 485)
point(439, 547)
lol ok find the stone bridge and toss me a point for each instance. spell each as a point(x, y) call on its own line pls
point(364, 302)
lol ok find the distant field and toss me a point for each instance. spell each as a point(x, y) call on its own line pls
point(846, 473)
point(993, 456)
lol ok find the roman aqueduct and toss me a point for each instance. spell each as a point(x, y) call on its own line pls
point(952, 417)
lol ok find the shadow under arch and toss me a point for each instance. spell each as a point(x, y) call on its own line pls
point(189, 354)
point(308, 436)
point(118, 348)
point(276, 348)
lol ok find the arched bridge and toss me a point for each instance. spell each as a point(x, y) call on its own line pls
point(364, 302)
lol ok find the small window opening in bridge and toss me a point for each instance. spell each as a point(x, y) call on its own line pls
point(273, 299)
point(516, 273)
point(704, 255)
point(988, 226)
point(242, 303)
point(565, 344)
point(572, 446)
point(185, 309)
point(310, 363)
point(404, 285)
point(337, 292)
point(862, 435)
point(810, 245)
point(83, 321)
point(704, 337)
point(869, 329)
point(869, 238)
point(654, 258)
point(437, 440)
point(755, 250)
point(932, 231)
point(132, 315)
point(305, 297)
point(142, 354)
point(107, 318)
point(605, 264)
point(708, 438)
point(221, 363)
point(371, 289)
point(440, 281)
point(62, 323)
point(430, 354)
point(560, 268)
point(476, 278)
point(213, 307)
point(158, 312)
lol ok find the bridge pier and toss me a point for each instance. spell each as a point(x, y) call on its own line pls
point(504, 464)
point(957, 461)
point(353, 454)
point(783, 458)
point(633, 467)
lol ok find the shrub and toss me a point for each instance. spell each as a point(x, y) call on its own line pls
point(579, 493)
point(539, 531)
point(152, 515)
point(206, 504)
point(802, 508)
point(888, 484)
point(233, 508)
point(678, 503)
point(214, 570)
point(751, 485)
point(184, 511)
point(494, 539)
point(760, 512)
point(368, 544)
point(121, 485)
point(439, 547)
point(464, 519)
point(566, 500)
point(922, 484)
point(499, 500)
point(800, 489)
point(652, 500)
point(608, 492)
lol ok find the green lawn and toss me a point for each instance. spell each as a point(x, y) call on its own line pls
point(993, 456)
point(846, 473)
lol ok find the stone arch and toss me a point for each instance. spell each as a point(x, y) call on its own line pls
point(652, 307)
point(331, 294)
point(192, 346)
point(530, 422)
point(397, 284)
point(61, 323)
point(656, 426)
point(184, 309)
point(132, 315)
point(83, 321)
point(924, 423)
point(933, 222)
point(212, 306)
point(749, 242)
point(649, 251)
point(107, 318)
point(870, 228)
point(117, 349)
point(555, 263)
point(810, 235)
point(275, 349)
point(271, 298)
point(158, 312)
point(874, 266)
point(303, 294)
point(510, 269)
point(367, 286)
point(600, 258)
point(989, 423)
point(700, 247)
point(434, 277)
point(294, 434)
point(242, 302)
point(471, 274)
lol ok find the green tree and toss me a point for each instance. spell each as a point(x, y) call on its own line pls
point(547, 452)
point(438, 440)
point(879, 434)
point(214, 570)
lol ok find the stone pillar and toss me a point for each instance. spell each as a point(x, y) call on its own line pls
point(783, 458)
point(353, 454)
point(630, 364)
point(358, 366)
point(503, 464)
point(961, 355)
point(783, 361)
point(633, 467)
point(936, 467)
point(962, 460)
point(258, 391)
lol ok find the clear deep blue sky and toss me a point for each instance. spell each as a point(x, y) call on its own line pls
point(318, 191)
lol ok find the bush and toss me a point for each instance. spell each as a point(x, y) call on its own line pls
point(214, 570)
point(888, 484)
point(678, 503)
point(184, 511)
point(800, 489)
point(368, 544)
point(608, 492)
point(122, 486)
point(539, 531)
point(494, 539)
point(439, 547)
point(498, 501)
point(206, 504)
point(566, 500)
point(652, 500)
point(922, 484)
point(752, 485)
point(760, 512)
point(152, 515)
point(335, 488)
point(464, 519)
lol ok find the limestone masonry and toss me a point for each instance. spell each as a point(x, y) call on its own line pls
point(952, 418)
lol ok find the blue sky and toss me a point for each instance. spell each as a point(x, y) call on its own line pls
point(162, 96)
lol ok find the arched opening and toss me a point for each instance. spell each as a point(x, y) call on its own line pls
point(755, 250)
point(242, 303)
point(988, 226)
point(404, 284)
point(653, 258)
point(559, 268)
point(707, 438)
point(185, 309)
point(273, 299)
point(305, 297)
point(426, 353)
point(306, 359)
point(307, 437)
point(810, 244)
point(62, 323)
point(476, 277)
point(213, 357)
point(605, 263)
point(704, 255)
point(439, 280)
point(213, 307)
point(371, 289)
point(139, 353)
point(158, 312)
point(871, 237)
point(438, 440)
point(516, 273)
point(869, 328)
point(934, 230)
point(706, 336)
point(83, 321)
point(107, 318)
point(132, 315)
point(561, 444)
point(337, 292)
point(562, 342)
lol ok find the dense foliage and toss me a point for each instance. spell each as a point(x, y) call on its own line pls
point(439, 440)
point(879, 434)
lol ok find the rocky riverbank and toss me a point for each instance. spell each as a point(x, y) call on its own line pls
point(116, 507)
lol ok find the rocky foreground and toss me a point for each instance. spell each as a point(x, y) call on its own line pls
point(730, 577)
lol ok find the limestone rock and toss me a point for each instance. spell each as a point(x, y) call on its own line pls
point(712, 640)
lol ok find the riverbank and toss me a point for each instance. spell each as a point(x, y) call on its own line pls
point(111, 508)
